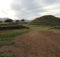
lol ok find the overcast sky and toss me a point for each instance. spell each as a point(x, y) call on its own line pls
point(29, 9)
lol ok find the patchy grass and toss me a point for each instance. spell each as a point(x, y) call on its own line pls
point(37, 27)
point(7, 43)
point(55, 30)
point(6, 55)
point(12, 33)
point(42, 28)
point(7, 38)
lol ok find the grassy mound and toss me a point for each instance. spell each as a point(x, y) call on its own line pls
point(47, 20)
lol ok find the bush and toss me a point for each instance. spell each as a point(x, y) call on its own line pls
point(9, 20)
point(9, 27)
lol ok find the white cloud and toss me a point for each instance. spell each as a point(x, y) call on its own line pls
point(5, 9)
point(29, 9)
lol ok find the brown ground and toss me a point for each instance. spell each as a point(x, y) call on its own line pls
point(35, 44)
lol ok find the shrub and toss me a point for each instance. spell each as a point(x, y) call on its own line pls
point(9, 27)
point(9, 20)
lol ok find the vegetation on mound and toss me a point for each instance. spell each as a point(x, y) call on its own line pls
point(9, 26)
point(47, 20)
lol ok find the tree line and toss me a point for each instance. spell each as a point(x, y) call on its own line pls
point(11, 20)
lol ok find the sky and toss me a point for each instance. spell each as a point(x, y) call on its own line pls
point(28, 9)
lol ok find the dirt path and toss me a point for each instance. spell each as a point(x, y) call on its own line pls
point(37, 44)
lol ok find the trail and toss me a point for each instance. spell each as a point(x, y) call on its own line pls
point(37, 44)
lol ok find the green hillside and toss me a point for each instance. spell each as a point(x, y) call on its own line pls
point(48, 20)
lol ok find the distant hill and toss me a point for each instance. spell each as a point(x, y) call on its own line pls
point(48, 20)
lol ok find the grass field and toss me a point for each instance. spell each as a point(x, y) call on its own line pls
point(6, 55)
point(36, 34)
point(42, 28)
point(7, 38)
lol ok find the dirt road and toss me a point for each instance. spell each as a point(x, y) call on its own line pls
point(37, 44)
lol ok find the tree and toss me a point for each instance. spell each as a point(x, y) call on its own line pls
point(17, 21)
point(22, 20)
point(0, 21)
point(8, 20)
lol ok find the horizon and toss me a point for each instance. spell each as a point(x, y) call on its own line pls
point(28, 9)
point(5, 18)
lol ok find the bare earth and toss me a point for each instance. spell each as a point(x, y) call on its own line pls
point(35, 44)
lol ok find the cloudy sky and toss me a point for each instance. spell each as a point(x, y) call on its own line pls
point(29, 9)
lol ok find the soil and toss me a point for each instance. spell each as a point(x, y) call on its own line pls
point(35, 44)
